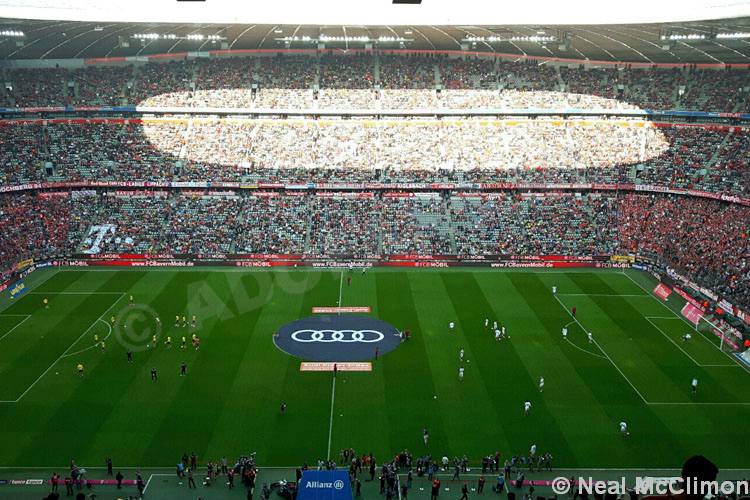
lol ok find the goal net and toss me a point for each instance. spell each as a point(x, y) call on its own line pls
point(721, 334)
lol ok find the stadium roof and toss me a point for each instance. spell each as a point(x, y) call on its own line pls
point(377, 12)
point(642, 31)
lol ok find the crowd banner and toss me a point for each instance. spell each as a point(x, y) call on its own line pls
point(17, 290)
point(458, 112)
point(692, 313)
point(362, 190)
point(662, 291)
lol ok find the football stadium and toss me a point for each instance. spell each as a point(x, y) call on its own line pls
point(374, 249)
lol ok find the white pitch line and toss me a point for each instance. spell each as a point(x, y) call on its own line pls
point(92, 346)
point(341, 289)
point(633, 386)
point(151, 476)
point(649, 318)
point(147, 483)
point(708, 403)
point(63, 354)
point(673, 342)
point(685, 321)
point(330, 423)
point(19, 324)
point(584, 350)
point(74, 293)
point(603, 351)
point(604, 294)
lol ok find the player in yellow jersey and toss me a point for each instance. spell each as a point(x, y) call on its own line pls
point(184, 321)
point(168, 342)
point(184, 342)
point(79, 367)
point(194, 321)
point(45, 302)
point(96, 340)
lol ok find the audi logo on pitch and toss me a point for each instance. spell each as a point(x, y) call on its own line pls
point(348, 336)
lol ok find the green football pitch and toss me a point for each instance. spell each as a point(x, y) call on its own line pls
point(637, 369)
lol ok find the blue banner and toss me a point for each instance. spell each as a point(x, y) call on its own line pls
point(17, 290)
point(324, 485)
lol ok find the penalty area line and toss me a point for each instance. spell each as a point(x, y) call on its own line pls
point(17, 325)
point(65, 352)
point(681, 318)
point(603, 352)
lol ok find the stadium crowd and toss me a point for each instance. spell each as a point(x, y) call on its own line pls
point(705, 158)
point(407, 81)
point(701, 238)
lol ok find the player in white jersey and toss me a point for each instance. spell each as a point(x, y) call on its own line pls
point(527, 407)
point(554, 290)
point(591, 337)
point(451, 325)
point(532, 451)
point(461, 373)
point(694, 385)
point(425, 436)
point(486, 322)
point(541, 384)
point(624, 429)
point(494, 325)
point(565, 332)
point(686, 337)
point(503, 330)
point(497, 334)
point(461, 355)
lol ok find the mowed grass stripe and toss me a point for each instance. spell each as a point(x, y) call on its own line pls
point(69, 407)
point(409, 384)
point(92, 400)
point(575, 379)
point(65, 280)
point(474, 422)
point(375, 407)
point(361, 397)
point(304, 427)
point(46, 335)
point(187, 401)
point(167, 295)
point(256, 390)
point(697, 347)
point(136, 405)
point(628, 338)
point(590, 402)
point(675, 304)
point(524, 358)
point(668, 373)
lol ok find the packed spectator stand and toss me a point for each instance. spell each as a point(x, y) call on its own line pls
point(706, 239)
point(407, 81)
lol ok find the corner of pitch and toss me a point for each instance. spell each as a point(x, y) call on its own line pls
point(337, 338)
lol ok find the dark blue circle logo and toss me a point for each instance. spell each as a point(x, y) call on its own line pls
point(337, 338)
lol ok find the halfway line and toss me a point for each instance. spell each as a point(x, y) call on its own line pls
point(330, 423)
